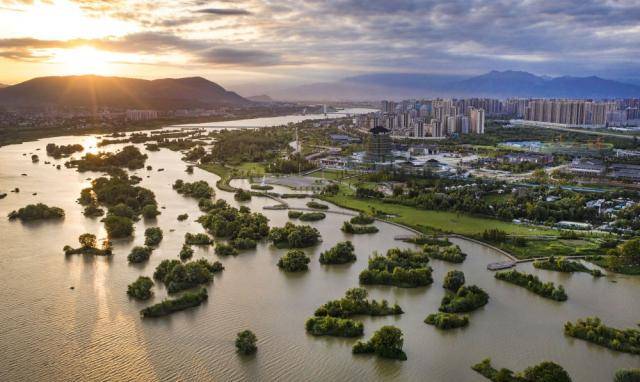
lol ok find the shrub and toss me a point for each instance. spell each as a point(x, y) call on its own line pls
point(187, 300)
point(197, 239)
point(141, 288)
point(355, 303)
point(453, 280)
point(198, 189)
point(318, 206)
point(447, 320)
point(139, 254)
point(186, 252)
point(242, 195)
point(246, 342)
point(294, 214)
point(466, 299)
point(358, 230)
point(312, 216)
point(294, 236)
point(627, 375)
point(332, 326)
point(38, 211)
point(150, 211)
point(225, 250)
point(118, 226)
point(183, 217)
point(260, 187)
point(294, 260)
point(152, 236)
point(362, 219)
point(533, 283)
point(341, 253)
point(386, 342)
point(178, 276)
point(400, 267)
point(451, 254)
point(593, 330)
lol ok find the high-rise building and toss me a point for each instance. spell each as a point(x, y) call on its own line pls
point(379, 145)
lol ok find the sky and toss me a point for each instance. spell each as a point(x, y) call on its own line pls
point(269, 43)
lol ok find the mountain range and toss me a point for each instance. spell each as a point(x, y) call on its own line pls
point(119, 92)
point(197, 92)
point(493, 84)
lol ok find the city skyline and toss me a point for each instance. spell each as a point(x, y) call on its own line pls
point(289, 43)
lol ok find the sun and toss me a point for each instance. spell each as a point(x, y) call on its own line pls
point(84, 60)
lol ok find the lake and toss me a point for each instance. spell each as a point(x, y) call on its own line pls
point(94, 332)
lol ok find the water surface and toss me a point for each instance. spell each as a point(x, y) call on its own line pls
point(94, 332)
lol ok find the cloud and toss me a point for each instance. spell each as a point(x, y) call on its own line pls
point(340, 37)
point(224, 11)
point(240, 57)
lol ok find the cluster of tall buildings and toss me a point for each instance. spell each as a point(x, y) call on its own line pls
point(446, 117)
point(572, 112)
point(429, 118)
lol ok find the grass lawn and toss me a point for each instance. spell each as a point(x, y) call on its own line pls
point(537, 248)
point(225, 174)
point(251, 169)
point(332, 174)
point(429, 221)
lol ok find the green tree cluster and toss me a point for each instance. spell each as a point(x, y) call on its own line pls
point(400, 267)
point(341, 253)
point(294, 236)
point(533, 283)
point(386, 342)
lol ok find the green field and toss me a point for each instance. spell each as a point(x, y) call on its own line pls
point(333, 174)
point(538, 248)
point(429, 221)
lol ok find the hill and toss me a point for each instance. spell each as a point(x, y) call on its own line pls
point(260, 98)
point(119, 92)
point(496, 84)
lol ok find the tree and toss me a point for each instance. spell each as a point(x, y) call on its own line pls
point(87, 240)
point(118, 226)
point(546, 372)
point(294, 260)
point(246, 342)
point(627, 375)
point(141, 288)
point(454, 280)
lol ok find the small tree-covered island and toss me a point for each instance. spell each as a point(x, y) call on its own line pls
point(386, 343)
point(246, 342)
point(141, 288)
point(404, 268)
point(168, 306)
point(447, 320)
point(294, 236)
point(294, 260)
point(543, 372)
point(341, 253)
point(593, 330)
point(355, 303)
point(38, 211)
point(177, 276)
point(533, 283)
point(89, 246)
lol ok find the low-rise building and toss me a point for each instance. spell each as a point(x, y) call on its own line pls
point(516, 158)
point(587, 167)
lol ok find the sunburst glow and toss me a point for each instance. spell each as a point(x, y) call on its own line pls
point(85, 60)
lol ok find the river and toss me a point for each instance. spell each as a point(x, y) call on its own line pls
point(278, 121)
point(94, 331)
